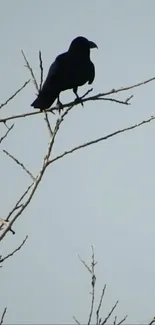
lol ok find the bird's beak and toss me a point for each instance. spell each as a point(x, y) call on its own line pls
point(92, 45)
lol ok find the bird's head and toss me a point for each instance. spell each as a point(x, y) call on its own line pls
point(82, 44)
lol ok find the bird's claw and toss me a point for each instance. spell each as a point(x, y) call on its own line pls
point(59, 106)
point(78, 100)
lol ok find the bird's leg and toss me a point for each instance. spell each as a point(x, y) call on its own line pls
point(77, 96)
point(59, 104)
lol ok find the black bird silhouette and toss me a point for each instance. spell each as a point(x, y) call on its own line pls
point(69, 71)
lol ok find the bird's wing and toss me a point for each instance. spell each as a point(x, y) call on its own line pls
point(91, 73)
point(52, 85)
point(54, 72)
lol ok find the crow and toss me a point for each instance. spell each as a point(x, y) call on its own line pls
point(69, 71)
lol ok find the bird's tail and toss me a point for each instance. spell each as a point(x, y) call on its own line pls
point(44, 101)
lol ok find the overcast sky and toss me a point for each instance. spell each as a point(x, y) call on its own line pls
point(103, 195)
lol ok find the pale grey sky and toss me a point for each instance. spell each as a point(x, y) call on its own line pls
point(103, 195)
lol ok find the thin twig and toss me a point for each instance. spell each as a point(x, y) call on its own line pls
point(39, 89)
point(48, 123)
point(31, 71)
point(99, 306)
point(6, 126)
point(3, 315)
point(77, 322)
point(18, 205)
point(110, 313)
point(13, 117)
point(84, 263)
point(5, 135)
point(122, 320)
point(89, 143)
point(16, 92)
point(41, 70)
point(152, 321)
point(19, 163)
point(41, 82)
point(86, 93)
point(91, 270)
point(126, 102)
point(6, 224)
point(14, 251)
point(93, 282)
point(114, 91)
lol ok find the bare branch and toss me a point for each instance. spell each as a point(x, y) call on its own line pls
point(93, 282)
point(110, 313)
point(114, 91)
point(122, 320)
point(33, 187)
point(87, 92)
point(99, 306)
point(31, 71)
point(51, 110)
point(48, 123)
point(46, 162)
point(39, 88)
point(19, 163)
point(18, 205)
point(41, 70)
point(126, 102)
point(76, 321)
point(14, 251)
point(89, 143)
point(84, 263)
point(98, 96)
point(12, 96)
point(41, 82)
point(152, 321)
point(5, 135)
point(91, 270)
point(99, 321)
point(13, 117)
point(7, 224)
point(115, 320)
point(3, 315)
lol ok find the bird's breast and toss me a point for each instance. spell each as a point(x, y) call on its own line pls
point(75, 74)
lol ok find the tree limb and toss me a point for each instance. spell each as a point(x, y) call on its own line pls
point(2, 259)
